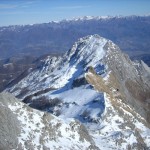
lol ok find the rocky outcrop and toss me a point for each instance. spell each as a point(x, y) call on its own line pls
point(116, 106)
point(133, 81)
point(9, 125)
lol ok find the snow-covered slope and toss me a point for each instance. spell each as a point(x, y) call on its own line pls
point(56, 72)
point(85, 18)
point(115, 108)
point(23, 128)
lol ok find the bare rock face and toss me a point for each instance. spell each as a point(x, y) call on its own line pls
point(9, 124)
point(133, 79)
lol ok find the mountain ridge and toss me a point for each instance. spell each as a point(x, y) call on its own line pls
point(60, 72)
point(95, 83)
point(82, 18)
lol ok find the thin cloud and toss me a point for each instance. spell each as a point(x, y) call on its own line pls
point(22, 12)
point(28, 3)
point(12, 6)
point(11, 13)
point(71, 7)
point(7, 6)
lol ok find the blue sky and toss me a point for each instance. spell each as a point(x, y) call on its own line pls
point(41, 11)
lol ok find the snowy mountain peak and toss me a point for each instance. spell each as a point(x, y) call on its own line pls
point(107, 17)
point(95, 83)
point(86, 52)
point(89, 50)
point(90, 18)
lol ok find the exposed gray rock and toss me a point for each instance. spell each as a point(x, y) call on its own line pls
point(9, 126)
point(133, 79)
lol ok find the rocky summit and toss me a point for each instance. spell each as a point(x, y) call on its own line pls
point(93, 97)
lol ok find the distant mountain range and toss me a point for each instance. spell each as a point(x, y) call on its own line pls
point(131, 33)
point(20, 46)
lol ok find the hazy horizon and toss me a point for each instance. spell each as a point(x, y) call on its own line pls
point(21, 12)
